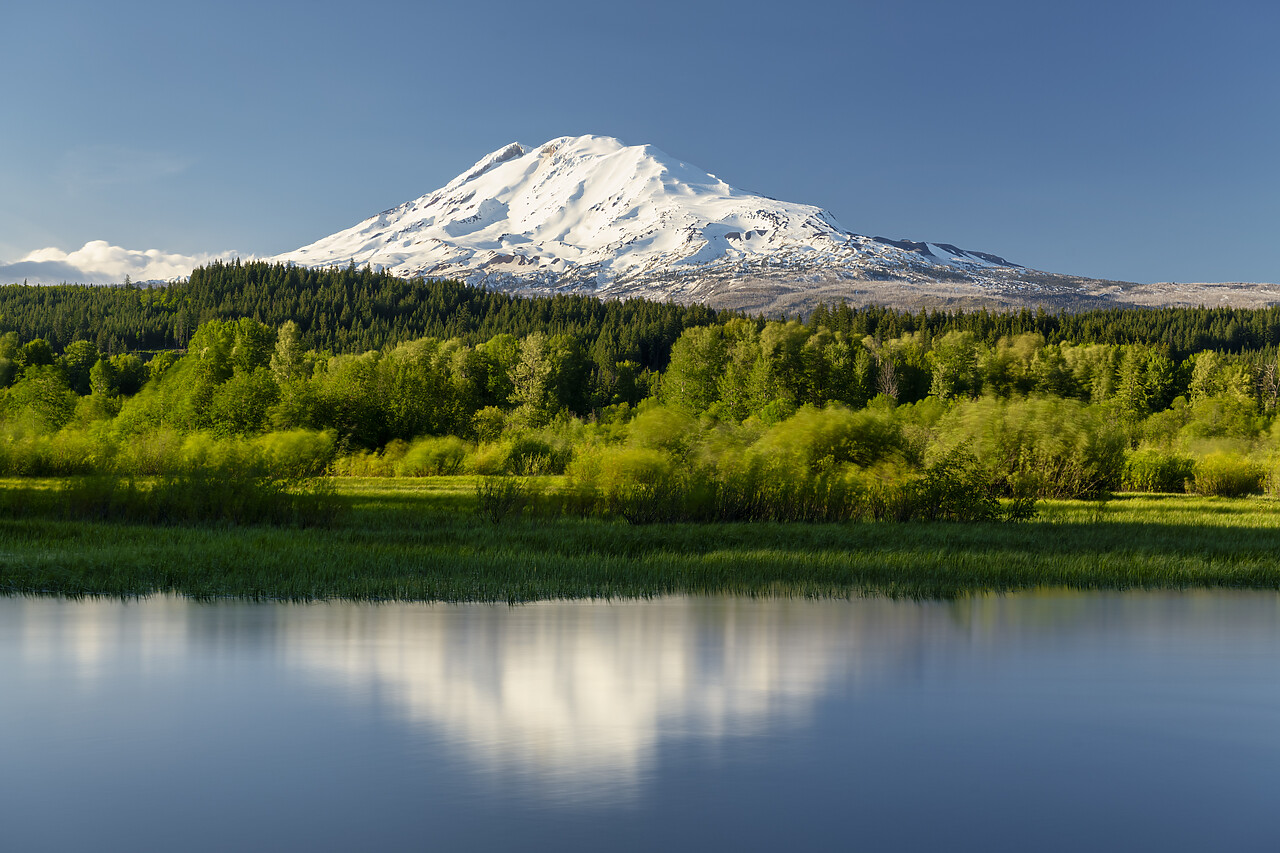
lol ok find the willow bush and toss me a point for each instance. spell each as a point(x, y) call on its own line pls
point(433, 456)
point(1055, 447)
point(1227, 474)
point(817, 466)
point(1154, 470)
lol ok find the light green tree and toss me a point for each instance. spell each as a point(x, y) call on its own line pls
point(287, 360)
point(954, 362)
point(698, 358)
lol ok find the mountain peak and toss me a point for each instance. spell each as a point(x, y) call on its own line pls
point(590, 213)
point(484, 164)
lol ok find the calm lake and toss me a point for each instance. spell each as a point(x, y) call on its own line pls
point(1047, 721)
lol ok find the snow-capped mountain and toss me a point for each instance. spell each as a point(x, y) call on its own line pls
point(589, 214)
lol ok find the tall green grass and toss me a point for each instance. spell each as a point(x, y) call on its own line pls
point(201, 495)
point(417, 539)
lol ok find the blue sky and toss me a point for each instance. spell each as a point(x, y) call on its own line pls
point(1119, 140)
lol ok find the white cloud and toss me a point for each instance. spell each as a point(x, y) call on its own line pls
point(98, 262)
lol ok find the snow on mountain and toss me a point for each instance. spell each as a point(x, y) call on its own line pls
point(590, 214)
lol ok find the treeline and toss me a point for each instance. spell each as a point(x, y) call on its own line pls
point(339, 310)
point(244, 376)
point(750, 419)
point(1179, 331)
point(350, 310)
point(739, 369)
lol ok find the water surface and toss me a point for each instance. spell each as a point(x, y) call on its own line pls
point(1048, 721)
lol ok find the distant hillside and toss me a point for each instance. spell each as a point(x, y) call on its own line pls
point(355, 310)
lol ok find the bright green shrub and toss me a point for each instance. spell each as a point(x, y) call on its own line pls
point(1062, 448)
point(433, 456)
point(529, 454)
point(150, 453)
point(203, 450)
point(64, 453)
point(663, 428)
point(1154, 470)
point(833, 436)
point(488, 458)
point(368, 463)
point(546, 451)
point(1227, 475)
point(643, 485)
point(956, 488)
point(80, 452)
point(297, 452)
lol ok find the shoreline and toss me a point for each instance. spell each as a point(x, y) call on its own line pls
point(421, 540)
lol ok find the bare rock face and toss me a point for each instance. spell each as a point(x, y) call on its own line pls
point(590, 215)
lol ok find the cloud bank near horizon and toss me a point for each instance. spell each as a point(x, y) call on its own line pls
point(99, 262)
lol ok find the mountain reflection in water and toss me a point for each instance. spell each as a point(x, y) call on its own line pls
point(580, 694)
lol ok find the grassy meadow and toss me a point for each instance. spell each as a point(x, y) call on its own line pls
point(426, 539)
